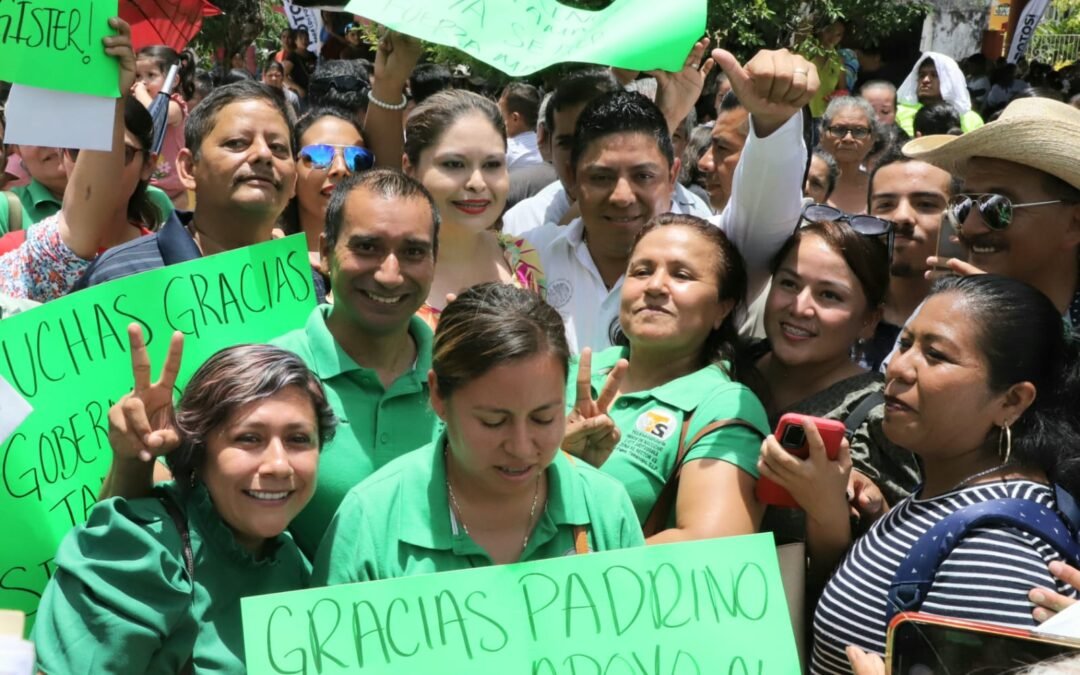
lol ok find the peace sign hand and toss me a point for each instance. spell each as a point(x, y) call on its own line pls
point(141, 425)
point(590, 433)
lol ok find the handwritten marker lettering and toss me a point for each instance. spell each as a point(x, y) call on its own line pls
point(713, 606)
point(69, 360)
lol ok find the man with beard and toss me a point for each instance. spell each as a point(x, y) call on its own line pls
point(913, 195)
point(1019, 213)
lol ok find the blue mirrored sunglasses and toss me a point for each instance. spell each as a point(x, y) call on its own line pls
point(321, 156)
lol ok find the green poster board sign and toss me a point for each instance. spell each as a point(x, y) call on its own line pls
point(520, 37)
point(56, 44)
point(696, 608)
point(69, 359)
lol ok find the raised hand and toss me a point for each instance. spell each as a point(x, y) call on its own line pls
point(676, 93)
point(141, 424)
point(590, 433)
point(119, 47)
point(396, 57)
point(772, 86)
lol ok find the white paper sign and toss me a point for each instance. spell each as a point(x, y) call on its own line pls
point(13, 409)
point(59, 119)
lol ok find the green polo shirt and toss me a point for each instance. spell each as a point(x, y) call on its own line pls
point(38, 204)
point(398, 523)
point(376, 425)
point(651, 421)
point(37, 201)
point(121, 600)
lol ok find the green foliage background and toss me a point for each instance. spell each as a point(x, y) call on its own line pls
point(742, 26)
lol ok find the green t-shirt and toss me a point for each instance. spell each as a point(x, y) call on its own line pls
point(376, 424)
point(37, 201)
point(651, 422)
point(121, 600)
point(398, 523)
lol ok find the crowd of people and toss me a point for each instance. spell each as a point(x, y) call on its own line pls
point(564, 319)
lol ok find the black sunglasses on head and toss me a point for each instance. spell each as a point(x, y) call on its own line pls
point(869, 226)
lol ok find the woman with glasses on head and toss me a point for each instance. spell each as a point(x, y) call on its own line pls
point(848, 132)
point(828, 289)
point(665, 411)
point(455, 145)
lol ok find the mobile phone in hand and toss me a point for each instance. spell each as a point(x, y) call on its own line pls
point(948, 246)
point(791, 434)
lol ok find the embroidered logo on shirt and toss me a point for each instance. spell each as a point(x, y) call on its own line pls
point(656, 422)
point(559, 293)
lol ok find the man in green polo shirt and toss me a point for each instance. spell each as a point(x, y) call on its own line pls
point(369, 349)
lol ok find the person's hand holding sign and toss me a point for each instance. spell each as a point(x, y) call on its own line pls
point(590, 433)
point(141, 424)
point(772, 86)
point(676, 93)
point(119, 47)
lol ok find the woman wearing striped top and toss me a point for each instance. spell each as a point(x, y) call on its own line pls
point(982, 389)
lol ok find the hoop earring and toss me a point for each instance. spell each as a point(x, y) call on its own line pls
point(1005, 434)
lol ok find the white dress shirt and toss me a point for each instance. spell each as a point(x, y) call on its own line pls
point(761, 214)
point(551, 204)
point(521, 150)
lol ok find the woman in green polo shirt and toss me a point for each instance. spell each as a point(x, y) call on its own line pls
point(154, 585)
point(671, 383)
point(494, 488)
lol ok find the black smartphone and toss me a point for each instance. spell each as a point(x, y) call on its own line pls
point(948, 246)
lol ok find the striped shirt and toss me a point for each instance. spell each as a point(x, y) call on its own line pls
point(985, 578)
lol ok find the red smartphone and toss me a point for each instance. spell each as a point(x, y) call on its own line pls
point(792, 437)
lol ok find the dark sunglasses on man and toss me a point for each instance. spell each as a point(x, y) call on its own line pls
point(995, 210)
point(868, 226)
point(321, 157)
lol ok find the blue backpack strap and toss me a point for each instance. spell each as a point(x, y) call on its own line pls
point(916, 573)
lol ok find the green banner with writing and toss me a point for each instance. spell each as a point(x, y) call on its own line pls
point(520, 37)
point(714, 606)
point(69, 359)
point(56, 44)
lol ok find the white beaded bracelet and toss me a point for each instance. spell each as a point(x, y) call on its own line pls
point(388, 106)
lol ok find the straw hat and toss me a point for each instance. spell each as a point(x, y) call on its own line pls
point(1038, 132)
